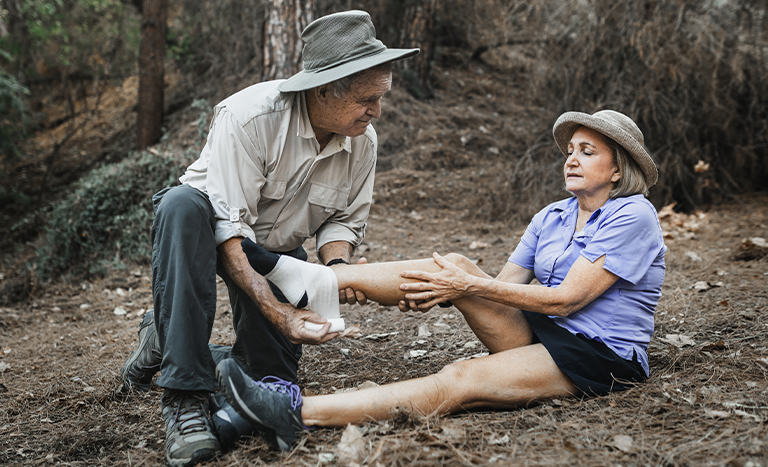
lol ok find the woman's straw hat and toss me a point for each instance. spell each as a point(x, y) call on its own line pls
point(614, 125)
point(340, 45)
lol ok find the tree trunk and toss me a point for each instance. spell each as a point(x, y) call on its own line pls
point(3, 29)
point(284, 21)
point(418, 25)
point(151, 73)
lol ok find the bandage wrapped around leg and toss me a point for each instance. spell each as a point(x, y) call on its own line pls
point(304, 285)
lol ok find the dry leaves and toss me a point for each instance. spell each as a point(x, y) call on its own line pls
point(351, 448)
point(750, 249)
point(678, 340)
point(622, 443)
point(701, 167)
point(701, 286)
point(680, 225)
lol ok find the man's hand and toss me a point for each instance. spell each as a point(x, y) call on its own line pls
point(351, 296)
point(412, 305)
point(290, 321)
point(343, 250)
point(286, 318)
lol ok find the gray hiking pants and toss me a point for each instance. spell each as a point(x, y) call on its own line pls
point(184, 268)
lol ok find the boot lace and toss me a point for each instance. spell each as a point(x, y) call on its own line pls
point(190, 414)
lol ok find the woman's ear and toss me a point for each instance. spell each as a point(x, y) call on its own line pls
point(616, 176)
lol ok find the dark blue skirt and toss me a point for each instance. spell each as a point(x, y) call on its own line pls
point(593, 367)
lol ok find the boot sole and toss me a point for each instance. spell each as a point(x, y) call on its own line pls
point(197, 457)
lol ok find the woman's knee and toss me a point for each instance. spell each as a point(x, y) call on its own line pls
point(458, 373)
point(462, 262)
point(458, 259)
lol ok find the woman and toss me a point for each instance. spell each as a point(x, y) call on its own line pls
point(585, 328)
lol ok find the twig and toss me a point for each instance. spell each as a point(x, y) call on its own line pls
point(755, 336)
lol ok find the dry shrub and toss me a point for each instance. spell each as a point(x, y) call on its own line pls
point(214, 40)
point(691, 74)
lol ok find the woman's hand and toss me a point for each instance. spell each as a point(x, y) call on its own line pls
point(448, 284)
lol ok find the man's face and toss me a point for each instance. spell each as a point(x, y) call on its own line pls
point(350, 114)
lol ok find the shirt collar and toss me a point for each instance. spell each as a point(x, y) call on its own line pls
point(570, 206)
point(337, 142)
point(565, 206)
point(305, 126)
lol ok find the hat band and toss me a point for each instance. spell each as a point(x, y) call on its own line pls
point(366, 53)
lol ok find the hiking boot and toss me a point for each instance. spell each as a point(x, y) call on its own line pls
point(145, 361)
point(189, 436)
point(229, 425)
point(270, 405)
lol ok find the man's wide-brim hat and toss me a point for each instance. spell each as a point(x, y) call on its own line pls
point(614, 125)
point(339, 45)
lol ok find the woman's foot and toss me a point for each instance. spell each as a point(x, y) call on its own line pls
point(271, 404)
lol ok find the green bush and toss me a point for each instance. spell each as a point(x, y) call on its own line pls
point(13, 111)
point(106, 219)
point(52, 38)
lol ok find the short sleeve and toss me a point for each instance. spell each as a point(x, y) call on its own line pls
point(630, 238)
point(525, 252)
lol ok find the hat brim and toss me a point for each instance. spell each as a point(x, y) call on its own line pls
point(569, 122)
point(304, 80)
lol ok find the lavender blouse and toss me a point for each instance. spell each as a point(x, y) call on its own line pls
point(626, 230)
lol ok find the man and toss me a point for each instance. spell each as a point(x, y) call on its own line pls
point(284, 161)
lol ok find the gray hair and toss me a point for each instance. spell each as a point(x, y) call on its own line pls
point(341, 86)
point(632, 181)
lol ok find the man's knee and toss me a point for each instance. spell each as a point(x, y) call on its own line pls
point(183, 204)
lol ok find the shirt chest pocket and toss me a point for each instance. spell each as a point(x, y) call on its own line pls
point(273, 189)
point(582, 239)
point(323, 202)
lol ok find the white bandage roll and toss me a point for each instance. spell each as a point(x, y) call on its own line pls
point(337, 325)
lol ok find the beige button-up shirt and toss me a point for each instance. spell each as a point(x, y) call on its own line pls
point(267, 179)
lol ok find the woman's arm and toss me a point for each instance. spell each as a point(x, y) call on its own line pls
point(585, 282)
point(515, 274)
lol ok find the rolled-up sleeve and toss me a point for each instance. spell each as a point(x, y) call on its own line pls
point(235, 177)
point(349, 225)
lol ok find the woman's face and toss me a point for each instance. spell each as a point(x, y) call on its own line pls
point(590, 169)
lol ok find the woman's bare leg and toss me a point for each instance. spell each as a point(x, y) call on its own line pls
point(512, 378)
point(499, 327)
point(380, 282)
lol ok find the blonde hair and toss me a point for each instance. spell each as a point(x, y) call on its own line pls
point(632, 181)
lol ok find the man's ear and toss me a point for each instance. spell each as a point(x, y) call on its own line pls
point(322, 93)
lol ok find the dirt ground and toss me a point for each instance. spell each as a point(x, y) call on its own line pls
point(706, 403)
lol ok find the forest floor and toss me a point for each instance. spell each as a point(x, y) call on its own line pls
point(706, 403)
